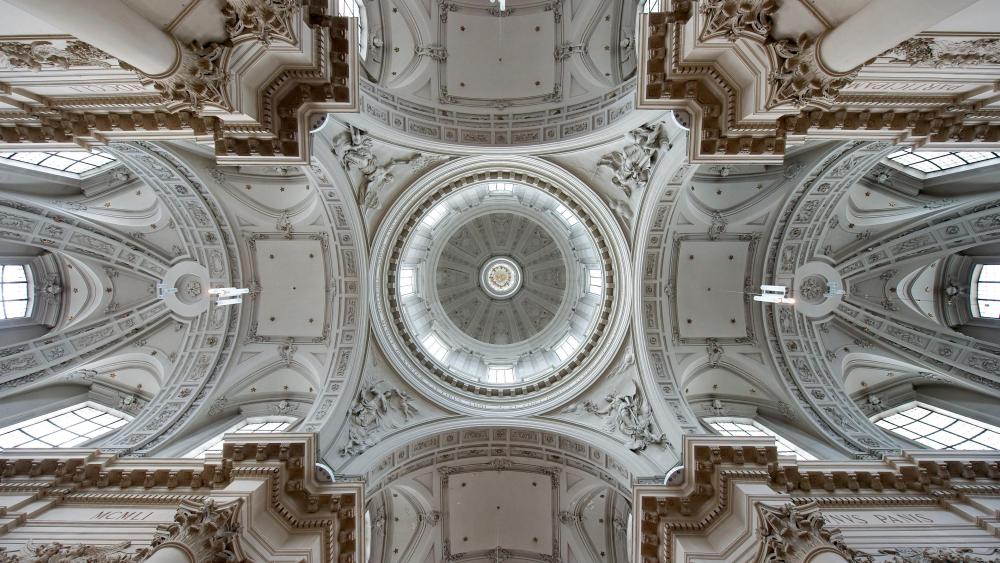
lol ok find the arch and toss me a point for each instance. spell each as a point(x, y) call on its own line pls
point(615, 453)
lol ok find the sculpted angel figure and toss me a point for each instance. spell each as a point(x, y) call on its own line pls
point(627, 415)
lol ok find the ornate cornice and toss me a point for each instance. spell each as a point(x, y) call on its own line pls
point(795, 95)
point(791, 524)
point(201, 88)
point(204, 525)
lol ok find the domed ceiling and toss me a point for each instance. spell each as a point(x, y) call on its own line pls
point(501, 278)
point(499, 283)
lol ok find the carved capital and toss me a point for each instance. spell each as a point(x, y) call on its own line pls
point(734, 18)
point(800, 78)
point(208, 530)
point(792, 534)
point(263, 20)
point(199, 78)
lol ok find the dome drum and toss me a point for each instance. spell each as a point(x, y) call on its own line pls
point(499, 285)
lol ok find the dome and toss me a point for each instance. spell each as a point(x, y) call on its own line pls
point(500, 283)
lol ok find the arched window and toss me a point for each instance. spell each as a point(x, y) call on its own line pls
point(930, 161)
point(650, 6)
point(71, 162)
point(731, 426)
point(939, 429)
point(16, 291)
point(252, 425)
point(354, 9)
point(986, 291)
point(64, 428)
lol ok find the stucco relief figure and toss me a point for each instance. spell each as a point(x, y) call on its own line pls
point(377, 407)
point(354, 149)
point(631, 165)
point(626, 414)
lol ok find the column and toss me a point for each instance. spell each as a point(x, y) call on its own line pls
point(169, 554)
point(112, 27)
point(878, 27)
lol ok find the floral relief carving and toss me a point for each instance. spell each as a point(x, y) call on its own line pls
point(928, 51)
point(57, 552)
point(930, 555)
point(43, 54)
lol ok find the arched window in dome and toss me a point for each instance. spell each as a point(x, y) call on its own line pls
point(732, 426)
point(986, 291)
point(65, 428)
point(252, 425)
point(355, 9)
point(16, 291)
point(938, 428)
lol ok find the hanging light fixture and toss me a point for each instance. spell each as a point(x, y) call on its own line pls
point(228, 295)
point(774, 294)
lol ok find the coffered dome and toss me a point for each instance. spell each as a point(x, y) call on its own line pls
point(501, 277)
point(500, 284)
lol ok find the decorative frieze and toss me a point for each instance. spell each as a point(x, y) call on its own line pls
point(938, 53)
point(38, 55)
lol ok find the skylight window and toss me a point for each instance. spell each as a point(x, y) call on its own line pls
point(500, 374)
point(78, 162)
point(434, 347)
point(567, 347)
point(254, 425)
point(406, 281)
point(354, 9)
point(728, 426)
point(500, 188)
point(939, 429)
point(567, 215)
point(15, 291)
point(596, 282)
point(928, 161)
point(986, 296)
point(64, 428)
point(435, 214)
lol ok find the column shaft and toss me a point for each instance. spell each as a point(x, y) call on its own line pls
point(879, 26)
point(170, 554)
point(112, 27)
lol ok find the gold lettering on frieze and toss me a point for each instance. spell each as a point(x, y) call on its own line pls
point(848, 519)
point(874, 86)
point(104, 88)
point(134, 515)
